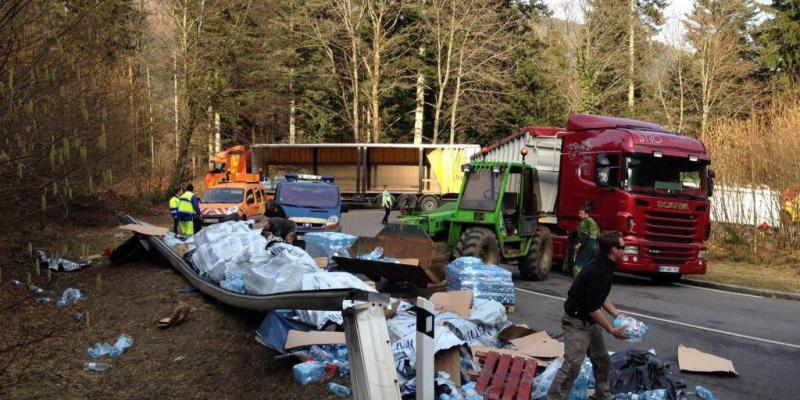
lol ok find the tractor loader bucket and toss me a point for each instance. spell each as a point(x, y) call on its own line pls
point(410, 245)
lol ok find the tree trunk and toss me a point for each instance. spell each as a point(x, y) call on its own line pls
point(175, 81)
point(631, 54)
point(292, 131)
point(210, 134)
point(456, 96)
point(152, 124)
point(354, 51)
point(217, 128)
point(419, 114)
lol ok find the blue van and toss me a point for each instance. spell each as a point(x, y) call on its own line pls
point(312, 202)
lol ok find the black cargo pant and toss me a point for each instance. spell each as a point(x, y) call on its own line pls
point(581, 338)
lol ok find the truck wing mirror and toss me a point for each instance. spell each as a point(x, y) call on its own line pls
point(345, 207)
point(710, 182)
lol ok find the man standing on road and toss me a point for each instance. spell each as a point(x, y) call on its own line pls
point(173, 209)
point(386, 202)
point(586, 300)
point(587, 240)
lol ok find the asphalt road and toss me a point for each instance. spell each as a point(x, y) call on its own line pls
point(760, 335)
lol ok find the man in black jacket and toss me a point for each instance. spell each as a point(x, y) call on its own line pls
point(586, 300)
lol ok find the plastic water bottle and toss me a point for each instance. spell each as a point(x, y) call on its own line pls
point(580, 389)
point(123, 342)
point(339, 390)
point(96, 366)
point(320, 355)
point(308, 372)
point(704, 393)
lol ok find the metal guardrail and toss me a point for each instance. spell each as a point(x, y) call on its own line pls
point(326, 300)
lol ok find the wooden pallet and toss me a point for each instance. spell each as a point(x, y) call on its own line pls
point(505, 377)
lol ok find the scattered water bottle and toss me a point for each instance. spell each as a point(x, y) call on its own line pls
point(470, 393)
point(123, 342)
point(44, 300)
point(320, 355)
point(69, 296)
point(580, 389)
point(99, 350)
point(308, 372)
point(339, 390)
point(704, 393)
point(96, 366)
point(374, 255)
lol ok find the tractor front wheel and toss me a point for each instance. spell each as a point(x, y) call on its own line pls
point(536, 265)
point(479, 242)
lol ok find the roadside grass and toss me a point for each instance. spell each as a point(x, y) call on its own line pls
point(784, 278)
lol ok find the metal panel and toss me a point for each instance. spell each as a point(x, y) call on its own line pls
point(544, 154)
point(372, 371)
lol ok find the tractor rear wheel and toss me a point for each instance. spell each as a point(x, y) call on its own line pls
point(479, 242)
point(536, 265)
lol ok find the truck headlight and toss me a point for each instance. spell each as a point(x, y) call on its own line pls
point(233, 210)
point(333, 220)
point(702, 254)
point(633, 250)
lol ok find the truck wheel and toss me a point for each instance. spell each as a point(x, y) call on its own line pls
point(428, 203)
point(407, 202)
point(536, 265)
point(479, 242)
point(666, 279)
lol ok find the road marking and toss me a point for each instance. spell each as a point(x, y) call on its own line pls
point(720, 291)
point(688, 325)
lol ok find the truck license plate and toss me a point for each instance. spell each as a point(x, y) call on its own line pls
point(673, 270)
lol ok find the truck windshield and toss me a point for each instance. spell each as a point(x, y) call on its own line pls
point(666, 175)
point(481, 191)
point(309, 196)
point(223, 195)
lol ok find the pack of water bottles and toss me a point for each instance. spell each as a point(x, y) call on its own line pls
point(634, 329)
point(329, 244)
point(486, 281)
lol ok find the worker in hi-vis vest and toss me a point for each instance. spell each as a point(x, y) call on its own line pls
point(173, 209)
point(188, 207)
point(386, 202)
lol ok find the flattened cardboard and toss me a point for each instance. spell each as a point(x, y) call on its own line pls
point(300, 339)
point(482, 350)
point(410, 261)
point(539, 345)
point(449, 361)
point(458, 302)
point(514, 332)
point(181, 249)
point(148, 230)
point(693, 360)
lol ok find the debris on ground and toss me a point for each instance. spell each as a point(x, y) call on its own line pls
point(636, 371)
point(60, 264)
point(181, 312)
point(102, 349)
point(339, 390)
point(69, 297)
point(32, 287)
point(693, 360)
point(704, 393)
point(96, 366)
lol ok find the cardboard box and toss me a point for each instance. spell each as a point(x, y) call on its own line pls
point(148, 230)
point(458, 302)
point(301, 339)
point(449, 361)
point(539, 345)
point(322, 262)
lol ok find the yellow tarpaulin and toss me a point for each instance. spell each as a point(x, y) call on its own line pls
point(446, 167)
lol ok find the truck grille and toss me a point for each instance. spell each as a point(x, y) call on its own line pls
point(669, 255)
point(670, 227)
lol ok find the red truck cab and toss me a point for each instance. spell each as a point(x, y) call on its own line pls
point(641, 179)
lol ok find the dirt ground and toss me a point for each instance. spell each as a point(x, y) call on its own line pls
point(213, 355)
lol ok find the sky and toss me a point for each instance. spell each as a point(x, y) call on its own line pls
point(672, 30)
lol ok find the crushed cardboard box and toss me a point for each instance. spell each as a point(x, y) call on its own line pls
point(693, 360)
point(514, 332)
point(449, 361)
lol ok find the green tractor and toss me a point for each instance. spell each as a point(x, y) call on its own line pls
point(496, 218)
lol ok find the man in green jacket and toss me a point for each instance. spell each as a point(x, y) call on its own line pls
point(586, 248)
